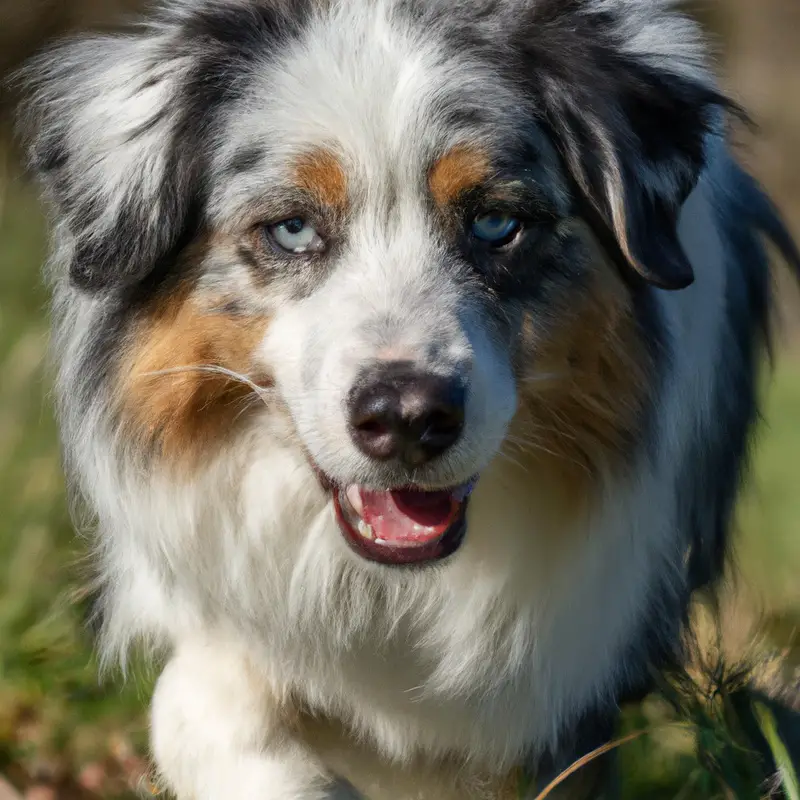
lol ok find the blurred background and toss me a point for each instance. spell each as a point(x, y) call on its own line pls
point(63, 734)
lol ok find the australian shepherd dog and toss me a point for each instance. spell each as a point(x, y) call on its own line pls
point(407, 357)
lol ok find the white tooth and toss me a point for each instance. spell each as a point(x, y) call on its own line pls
point(380, 541)
point(365, 530)
point(353, 494)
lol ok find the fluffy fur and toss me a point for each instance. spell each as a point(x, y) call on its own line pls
point(203, 373)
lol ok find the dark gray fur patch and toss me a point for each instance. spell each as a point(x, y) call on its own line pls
point(221, 42)
point(714, 471)
point(245, 159)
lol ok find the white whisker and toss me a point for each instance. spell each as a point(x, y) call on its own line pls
point(212, 370)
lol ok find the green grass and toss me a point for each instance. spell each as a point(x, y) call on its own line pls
point(782, 757)
point(769, 549)
point(55, 717)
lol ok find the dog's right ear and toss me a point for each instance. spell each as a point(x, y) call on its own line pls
point(101, 123)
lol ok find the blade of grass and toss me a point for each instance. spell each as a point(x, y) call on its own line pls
point(769, 727)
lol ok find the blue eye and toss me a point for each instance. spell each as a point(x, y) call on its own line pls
point(495, 228)
point(296, 236)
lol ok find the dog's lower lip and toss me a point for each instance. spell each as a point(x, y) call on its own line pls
point(429, 546)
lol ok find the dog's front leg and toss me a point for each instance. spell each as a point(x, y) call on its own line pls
point(219, 734)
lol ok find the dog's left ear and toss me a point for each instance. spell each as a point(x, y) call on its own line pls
point(634, 170)
point(632, 120)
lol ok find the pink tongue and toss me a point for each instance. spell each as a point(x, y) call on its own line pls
point(408, 516)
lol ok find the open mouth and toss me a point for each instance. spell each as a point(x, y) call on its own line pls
point(403, 526)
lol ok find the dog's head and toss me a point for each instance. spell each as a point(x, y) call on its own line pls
point(407, 227)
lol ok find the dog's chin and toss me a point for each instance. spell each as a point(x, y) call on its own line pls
point(404, 526)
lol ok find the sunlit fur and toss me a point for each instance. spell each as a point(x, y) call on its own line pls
point(201, 372)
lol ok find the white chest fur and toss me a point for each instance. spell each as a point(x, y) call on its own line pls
point(486, 654)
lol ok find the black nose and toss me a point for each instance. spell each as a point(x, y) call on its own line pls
point(396, 411)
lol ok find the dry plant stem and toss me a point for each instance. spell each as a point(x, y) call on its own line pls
point(587, 759)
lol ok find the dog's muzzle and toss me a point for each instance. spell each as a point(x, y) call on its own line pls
point(401, 415)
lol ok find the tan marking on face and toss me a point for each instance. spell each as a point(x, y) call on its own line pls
point(456, 172)
point(583, 386)
point(167, 403)
point(320, 173)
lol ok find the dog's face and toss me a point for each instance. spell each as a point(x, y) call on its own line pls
point(404, 240)
point(393, 254)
